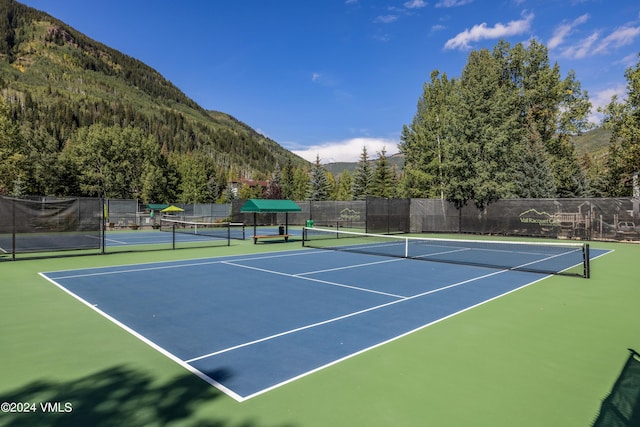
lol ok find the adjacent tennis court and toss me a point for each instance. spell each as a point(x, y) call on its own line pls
point(248, 324)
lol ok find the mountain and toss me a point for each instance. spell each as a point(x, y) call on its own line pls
point(57, 80)
point(593, 142)
point(337, 168)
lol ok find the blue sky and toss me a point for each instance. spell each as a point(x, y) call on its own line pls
point(327, 77)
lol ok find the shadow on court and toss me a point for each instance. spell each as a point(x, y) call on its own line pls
point(622, 407)
point(112, 397)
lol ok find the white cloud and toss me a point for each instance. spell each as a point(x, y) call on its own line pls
point(452, 3)
point(415, 4)
point(593, 45)
point(385, 19)
point(324, 79)
point(621, 37)
point(629, 60)
point(581, 49)
point(348, 150)
point(602, 98)
point(482, 32)
point(564, 30)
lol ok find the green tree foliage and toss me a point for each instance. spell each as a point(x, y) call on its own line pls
point(332, 185)
point(384, 180)
point(362, 177)
point(274, 189)
point(426, 139)
point(345, 183)
point(623, 119)
point(248, 192)
point(319, 187)
point(116, 162)
point(300, 183)
point(13, 161)
point(288, 180)
point(489, 146)
point(535, 173)
point(194, 173)
point(503, 129)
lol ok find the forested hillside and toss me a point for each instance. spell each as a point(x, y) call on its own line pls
point(78, 118)
point(66, 93)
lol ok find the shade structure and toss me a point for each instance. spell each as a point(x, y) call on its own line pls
point(256, 206)
point(269, 205)
point(157, 206)
point(172, 209)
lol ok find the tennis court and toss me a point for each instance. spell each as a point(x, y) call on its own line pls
point(544, 354)
point(250, 323)
point(187, 232)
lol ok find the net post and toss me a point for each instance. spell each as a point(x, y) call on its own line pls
point(587, 261)
point(103, 225)
point(304, 235)
point(406, 248)
point(228, 234)
point(13, 229)
point(173, 236)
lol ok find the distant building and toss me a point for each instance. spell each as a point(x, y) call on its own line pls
point(251, 183)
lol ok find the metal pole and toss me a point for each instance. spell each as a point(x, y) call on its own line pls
point(13, 234)
point(105, 209)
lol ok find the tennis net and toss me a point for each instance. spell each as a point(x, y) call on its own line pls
point(219, 230)
point(540, 257)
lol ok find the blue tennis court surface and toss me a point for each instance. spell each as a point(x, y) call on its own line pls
point(135, 238)
point(248, 324)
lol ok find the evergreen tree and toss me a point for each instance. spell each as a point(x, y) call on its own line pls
point(319, 186)
point(535, 178)
point(489, 147)
point(344, 186)
point(503, 129)
point(384, 183)
point(213, 189)
point(426, 141)
point(274, 189)
point(300, 183)
point(13, 161)
point(362, 177)
point(333, 185)
point(623, 119)
point(288, 180)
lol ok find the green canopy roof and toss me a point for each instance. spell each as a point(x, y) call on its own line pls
point(157, 206)
point(269, 205)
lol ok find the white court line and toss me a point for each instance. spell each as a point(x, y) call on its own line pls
point(239, 398)
point(311, 279)
point(150, 343)
point(115, 241)
point(380, 344)
point(350, 266)
point(335, 319)
point(402, 299)
point(172, 264)
point(442, 253)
